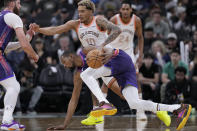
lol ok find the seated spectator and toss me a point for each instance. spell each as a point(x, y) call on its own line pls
point(105, 5)
point(61, 18)
point(160, 27)
point(149, 77)
point(148, 38)
point(65, 45)
point(168, 70)
point(194, 69)
point(159, 50)
point(28, 83)
point(195, 41)
point(172, 41)
point(193, 100)
point(39, 48)
point(178, 90)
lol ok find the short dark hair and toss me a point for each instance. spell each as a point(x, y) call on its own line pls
point(126, 2)
point(180, 69)
point(176, 50)
point(148, 55)
point(6, 2)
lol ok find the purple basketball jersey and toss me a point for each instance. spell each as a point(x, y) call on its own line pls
point(123, 69)
point(6, 33)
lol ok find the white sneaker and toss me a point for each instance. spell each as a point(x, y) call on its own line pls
point(13, 126)
point(141, 116)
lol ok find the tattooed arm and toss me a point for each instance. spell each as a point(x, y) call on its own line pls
point(108, 26)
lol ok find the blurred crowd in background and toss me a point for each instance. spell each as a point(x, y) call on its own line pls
point(168, 73)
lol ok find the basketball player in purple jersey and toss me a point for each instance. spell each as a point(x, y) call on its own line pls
point(11, 23)
point(126, 78)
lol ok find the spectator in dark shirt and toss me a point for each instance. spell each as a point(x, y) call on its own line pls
point(178, 90)
point(149, 77)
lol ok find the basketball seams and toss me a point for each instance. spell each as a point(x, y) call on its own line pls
point(93, 59)
point(95, 62)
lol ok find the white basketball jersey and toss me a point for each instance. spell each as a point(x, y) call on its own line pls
point(125, 40)
point(90, 34)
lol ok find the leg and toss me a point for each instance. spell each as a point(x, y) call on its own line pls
point(90, 75)
point(131, 95)
point(113, 85)
point(37, 92)
point(104, 89)
point(12, 90)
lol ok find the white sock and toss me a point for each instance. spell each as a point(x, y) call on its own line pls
point(94, 107)
point(170, 108)
point(131, 95)
point(12, 90)
point(105, 95)
point(140, 95)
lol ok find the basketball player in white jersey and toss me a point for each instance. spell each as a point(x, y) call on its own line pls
point(130, 25)
point(92, 32)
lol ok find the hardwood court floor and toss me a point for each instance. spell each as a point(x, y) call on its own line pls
point(114, 123)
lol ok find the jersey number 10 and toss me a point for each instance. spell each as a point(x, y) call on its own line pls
point(91, 41)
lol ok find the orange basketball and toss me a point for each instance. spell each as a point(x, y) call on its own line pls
point(93, 59)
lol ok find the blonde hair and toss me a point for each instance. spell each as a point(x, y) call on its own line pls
point(161, 45)
point(88, 4)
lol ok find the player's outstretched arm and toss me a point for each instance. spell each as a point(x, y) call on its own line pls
point(72, 24)
point(72, 104)
point(108, 26)
point(25, 44)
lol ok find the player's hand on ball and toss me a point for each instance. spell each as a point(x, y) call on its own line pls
point(107, 54)
point(35, 27)
point(60, 127)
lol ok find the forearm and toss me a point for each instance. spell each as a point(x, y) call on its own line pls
point(145, 82)
point(113, 35)
point(12, 46)
point(15, 45)
point(71, 109)
point(74, 99)
point(48, 31)
point(141, 45)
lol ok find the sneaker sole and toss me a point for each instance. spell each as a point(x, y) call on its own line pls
point(182, 124)
point(90, 124)
point(12, 129)
point(103, 112)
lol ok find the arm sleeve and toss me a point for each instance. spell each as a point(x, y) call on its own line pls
point(12, 46)
point(13, 20)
